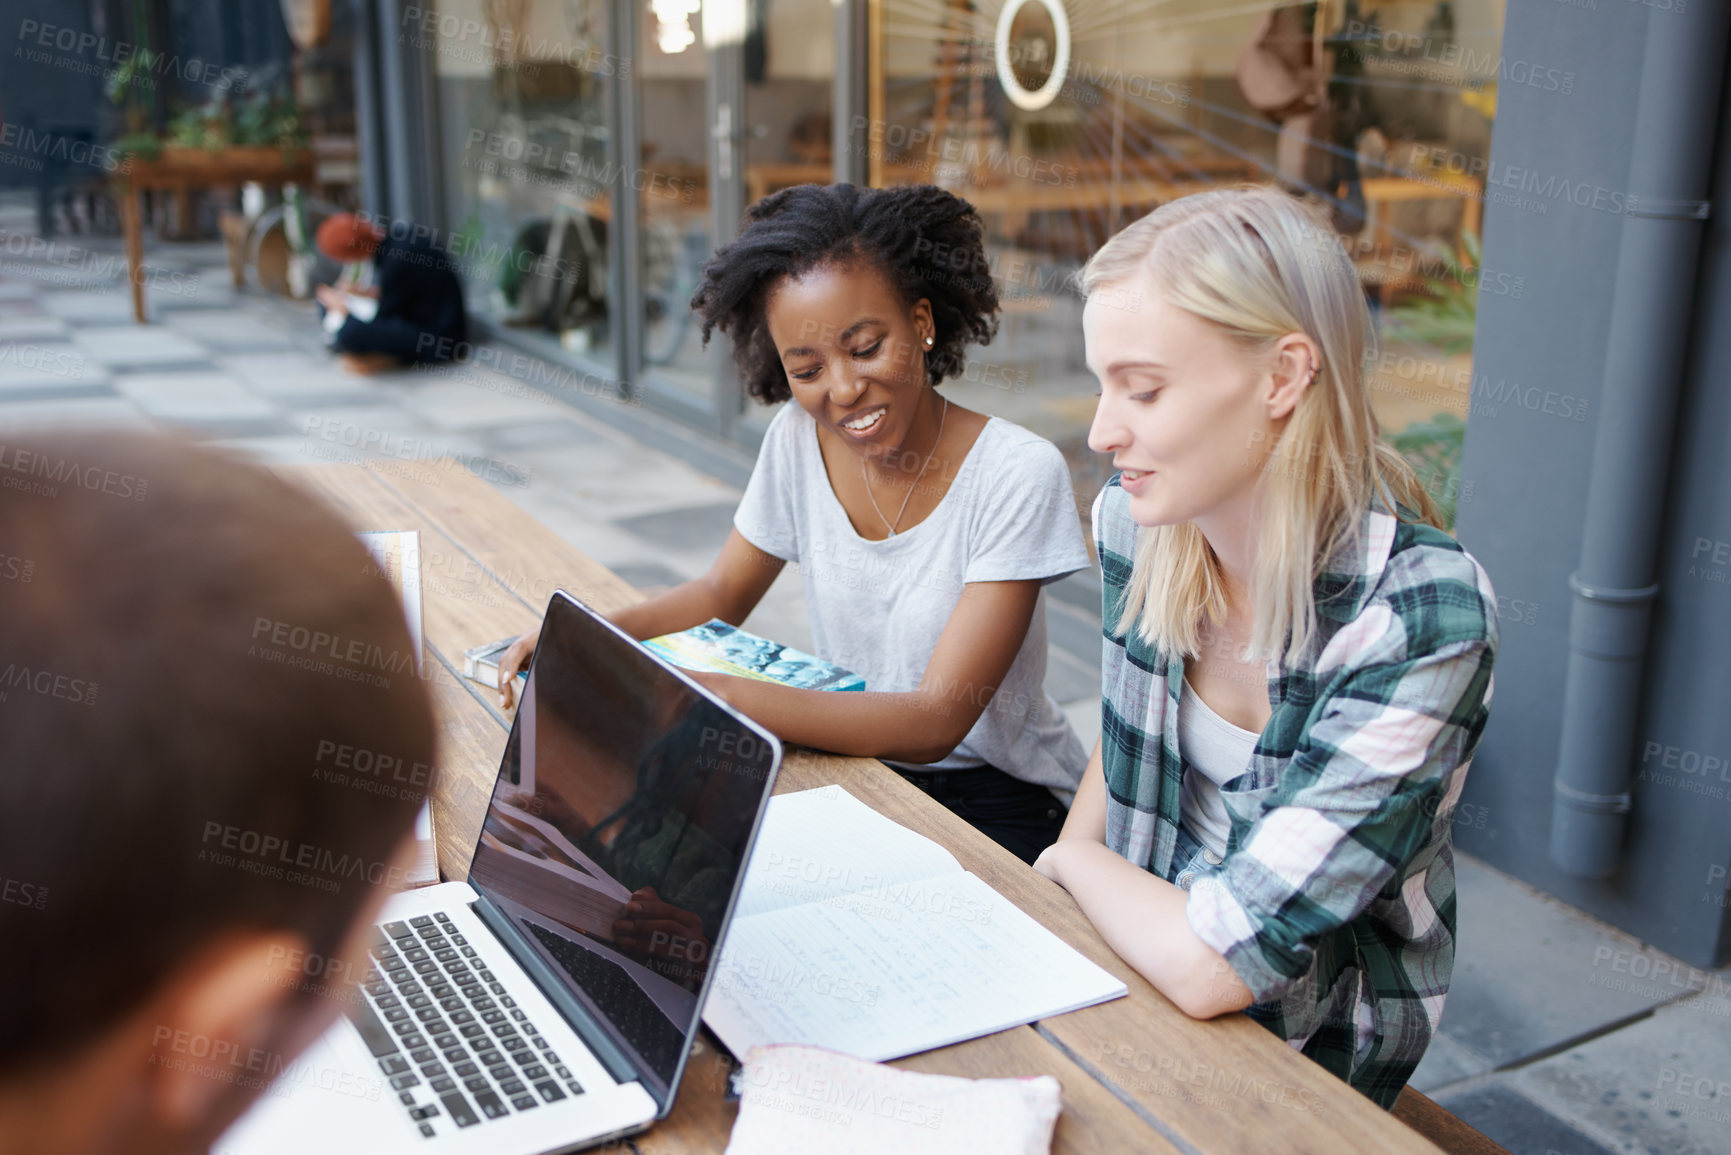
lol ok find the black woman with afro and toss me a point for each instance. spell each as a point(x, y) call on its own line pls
point(924, 532)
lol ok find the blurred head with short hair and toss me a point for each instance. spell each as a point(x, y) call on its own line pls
point(188, 647)
point(345, 238)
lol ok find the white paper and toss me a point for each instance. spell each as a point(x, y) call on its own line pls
point(798, 857)
point(879, 971)
point(797, 1100)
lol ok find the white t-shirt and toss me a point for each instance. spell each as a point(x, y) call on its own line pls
point(878, 607)
point(1214, 752)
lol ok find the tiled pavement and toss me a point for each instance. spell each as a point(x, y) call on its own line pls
point(1561, 1035)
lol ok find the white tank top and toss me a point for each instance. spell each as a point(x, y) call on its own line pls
point(1214, 752)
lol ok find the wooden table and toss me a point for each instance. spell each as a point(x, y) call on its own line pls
point(180, 170)
point(1137, 1074)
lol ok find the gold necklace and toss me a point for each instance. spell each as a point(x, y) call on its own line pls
point(888, 524)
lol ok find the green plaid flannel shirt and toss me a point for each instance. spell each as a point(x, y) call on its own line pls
point(1336, 900)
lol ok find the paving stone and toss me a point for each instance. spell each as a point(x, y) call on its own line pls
point(1080, 590)
point(32, 327)
point(605, 543)
point(691, 528)
point(1518, 1123)
point(102, 412)
point(1660, 1086)
point(1531, 973)
point(557, 433)
point(27, 365)
point(1446, 1062)
point(1084, 715)
point(221, 330)
point(202, 397)
point(648, 575)
point(140, 346)
point(294, 378)
point(463, 405)
point(387, 432)
point(198, 289)
point(226, 428)
point(619, 478)
point(88, 308)
point(284, 446)
point(1069, 679)
point(11, 394)
point(40, 275)
point(1075, 632)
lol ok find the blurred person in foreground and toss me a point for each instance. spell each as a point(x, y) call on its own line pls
point(411, 312)
point(183, 889)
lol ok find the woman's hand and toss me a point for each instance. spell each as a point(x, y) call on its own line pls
point(511, 661)
point(651, 925)
point(717, 684)
point(332, 300)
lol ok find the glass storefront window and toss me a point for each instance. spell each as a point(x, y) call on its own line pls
point(789, 91)
point(673, 186)
point(788, 58)
point(1062, 122)
point(523, 100)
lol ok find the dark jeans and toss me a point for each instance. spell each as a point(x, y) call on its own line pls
point(1019, 816)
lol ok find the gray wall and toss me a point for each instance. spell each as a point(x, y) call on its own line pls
point(1528, 469)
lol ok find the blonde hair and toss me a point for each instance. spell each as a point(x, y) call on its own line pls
point(1258, 264)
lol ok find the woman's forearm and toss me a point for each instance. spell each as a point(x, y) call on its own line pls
point(1141, 916)
point(685, 605)
point(905, 727)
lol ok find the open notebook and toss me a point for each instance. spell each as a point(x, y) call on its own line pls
point(855, 933)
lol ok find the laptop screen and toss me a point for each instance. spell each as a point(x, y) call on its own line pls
point(619, 828)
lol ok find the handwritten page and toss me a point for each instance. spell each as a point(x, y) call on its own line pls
point(819, 844)
point(878, 959)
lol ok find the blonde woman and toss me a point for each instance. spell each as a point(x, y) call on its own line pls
point(1297, 661)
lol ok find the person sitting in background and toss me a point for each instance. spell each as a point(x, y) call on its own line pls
point(160, 760)
point(417, 315)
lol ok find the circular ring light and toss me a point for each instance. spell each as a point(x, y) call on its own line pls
point(1021, 97)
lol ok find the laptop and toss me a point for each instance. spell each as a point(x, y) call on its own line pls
point(524, 1011)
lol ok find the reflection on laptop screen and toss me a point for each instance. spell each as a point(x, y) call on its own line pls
point(620, 784)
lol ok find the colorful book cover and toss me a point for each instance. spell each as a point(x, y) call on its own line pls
point(716, 647)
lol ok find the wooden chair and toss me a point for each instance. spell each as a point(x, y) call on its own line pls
point(1440, 1127)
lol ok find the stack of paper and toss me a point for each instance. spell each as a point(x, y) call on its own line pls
point(796, 1100)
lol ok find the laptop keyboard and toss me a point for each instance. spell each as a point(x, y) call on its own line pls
point(644, 1024)
point(446, 1035)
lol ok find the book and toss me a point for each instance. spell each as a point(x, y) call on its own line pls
point(713, 647)
point(854, 933)
point(481, 664)
point(360, 306)
point(397, 556)
point(716, 647)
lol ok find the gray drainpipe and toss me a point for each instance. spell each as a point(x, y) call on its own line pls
point(1676, 122)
